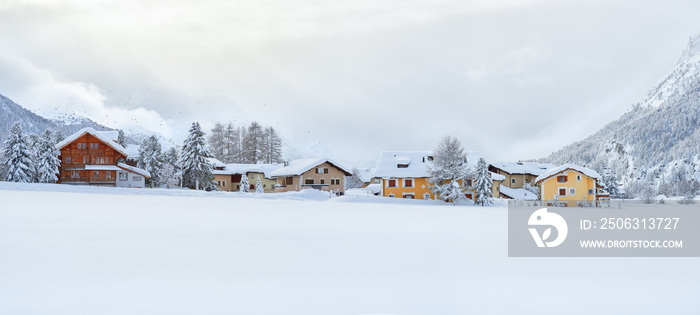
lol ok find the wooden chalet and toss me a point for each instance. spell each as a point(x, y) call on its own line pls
point(91, 157)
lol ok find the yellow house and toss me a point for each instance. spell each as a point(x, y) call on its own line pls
point(569, 185)
point(228, 176)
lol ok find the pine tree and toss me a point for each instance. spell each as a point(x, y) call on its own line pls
point(259, 187)
point(121, 139)
point(231, 144)
point(245, 185)
point(354, 180)
point(252, 148)
point(169, 175)
point(483, 184)
point(172, 157)
point(610, 184)
point(271, 146)
point(193, 161)
point(34, 143)
point(217, 142)
point(48, 160)
point(449, 167)
point(151, 159)
point(18, 156)
point(58, 136)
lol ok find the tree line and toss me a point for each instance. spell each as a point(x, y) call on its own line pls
point(252, 144)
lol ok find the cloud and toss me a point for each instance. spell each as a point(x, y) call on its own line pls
point(48, 94)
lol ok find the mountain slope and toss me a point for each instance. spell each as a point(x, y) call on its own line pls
point(11, 112)
point(658, 140)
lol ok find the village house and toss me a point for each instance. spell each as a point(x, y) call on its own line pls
point(321, 173)
point(517, 174)
point(571, 185)
point(405, 174)
point(228, 176)
point(91, 157)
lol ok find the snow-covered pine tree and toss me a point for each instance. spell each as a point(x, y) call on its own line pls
point(58, 136)
point(48, 160)
point(354, 181)
point(193, 160)
point(449, 166)
point(217, 142)
point(483, 184)
point(271, 146)
point(245, 185)
point(252, 141)
point(259, 186)
point(18, 156)
point(172, 157)
point(34, 142)
point(169, 175)
point(121, 138)
point(231, 144)
point(151, 159)
point(610, 184)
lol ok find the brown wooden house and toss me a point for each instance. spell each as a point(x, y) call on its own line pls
point(91, 157)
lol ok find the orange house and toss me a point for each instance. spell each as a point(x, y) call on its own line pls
point(404, 174)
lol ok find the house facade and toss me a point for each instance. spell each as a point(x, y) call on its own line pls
point(322, 174)
point(517, 174)
point(91, 157)
point(405, 174)
point(228, 176)
point(570, 185)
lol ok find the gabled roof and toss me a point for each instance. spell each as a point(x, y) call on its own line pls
point(532, 168)
point(106, 138)
point(366, 174)
point(298, 167)
point(517, 193)
point(417, 161)
point(559, 169)
point(134, 170)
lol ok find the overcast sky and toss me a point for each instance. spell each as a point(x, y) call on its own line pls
point(512, 79)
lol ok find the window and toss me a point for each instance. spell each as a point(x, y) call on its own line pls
point(402, 165)
point(512, 180)
point(224, 182)
point(84, 159)
point(335, 181)
point(562, 191)
point(325, 171)
point(409, 196)
point(578, 178)
point(92, 145)
point(290, 180)
point(81, 145)
point(469, 196)
point(426, 196)
point(108, 174)
point(97, 145)
point(218, 183)
point(391, 183)
point(123, 176)
point(572, 191)
point(96, 174)
point(391, 195)
point(68, 159)
point(321, 170)
point(561, 179)
point(75, 174)
point(309, 181)
point(590, 191)
point(322, 181)
point(136, 178)
point(408, 183)
point(430, 157)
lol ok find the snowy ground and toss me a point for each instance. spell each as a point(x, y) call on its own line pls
point(72, 250)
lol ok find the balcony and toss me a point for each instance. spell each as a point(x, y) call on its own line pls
point(88, 181)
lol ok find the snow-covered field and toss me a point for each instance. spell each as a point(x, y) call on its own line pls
point(84, 250)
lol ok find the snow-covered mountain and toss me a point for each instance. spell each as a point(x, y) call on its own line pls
point(11, 112)
point(658, 140)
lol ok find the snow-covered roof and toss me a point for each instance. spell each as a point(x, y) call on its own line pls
point(517, 193)
point(417, 161)
point(556, 170)
point(97, 134)
point(497, 177)
point(134, 169)
point(238, 168)
point(102, 168)
point(533, 168)
point(366, 174)
point(298, 167)
point(215, 162)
